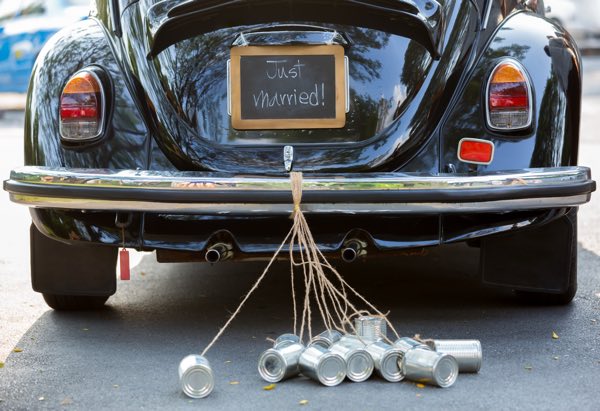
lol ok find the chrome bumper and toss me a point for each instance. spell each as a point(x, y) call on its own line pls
point(217, 193)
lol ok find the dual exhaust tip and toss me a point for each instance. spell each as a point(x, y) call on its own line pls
point(223, 251)
point(352, 250)
point(218, 252)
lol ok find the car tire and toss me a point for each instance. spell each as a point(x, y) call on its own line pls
point(75, 302)
point(540, 298)
point(72, 277)
point(539, 263)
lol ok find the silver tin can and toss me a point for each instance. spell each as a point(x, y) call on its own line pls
point(359, 364)
point(371, 328)
point(407, 343)
point(430, 367)
point(322, 365)
point(326, 339)
point(387, 360)
point(468, 353)
point(277, 364)
point(285, 340)
point(196, 376)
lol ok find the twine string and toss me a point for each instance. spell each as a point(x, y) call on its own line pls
point(322, 282)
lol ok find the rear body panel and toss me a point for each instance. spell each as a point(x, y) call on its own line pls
point(409, 110)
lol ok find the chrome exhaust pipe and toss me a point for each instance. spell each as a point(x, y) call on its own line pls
point(352, 250)
point(218, 252)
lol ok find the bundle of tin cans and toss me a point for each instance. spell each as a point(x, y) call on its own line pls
point(331, 357)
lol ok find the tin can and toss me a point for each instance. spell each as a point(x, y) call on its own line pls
point(371, 328)
point(387, 360)
point(285, 340)
point(326, 339)
point(322, 365)
point(196, 376)
point(359, 364)
point(430, 367)
point(407, 343)
point(277, 364)
point(468, 353)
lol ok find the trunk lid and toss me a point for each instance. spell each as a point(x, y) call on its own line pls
point(404, 60)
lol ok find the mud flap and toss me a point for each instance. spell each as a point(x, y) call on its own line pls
point(62, 269)
point(542, 259)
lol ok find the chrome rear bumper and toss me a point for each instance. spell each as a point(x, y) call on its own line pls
point(218, 193)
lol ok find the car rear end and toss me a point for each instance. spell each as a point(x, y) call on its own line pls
point(173, 126)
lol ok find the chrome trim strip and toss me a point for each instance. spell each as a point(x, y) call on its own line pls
point(486, 18)
point(364, 182)
point(287, 209)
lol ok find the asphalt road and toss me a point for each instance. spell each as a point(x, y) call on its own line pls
point(126, 357)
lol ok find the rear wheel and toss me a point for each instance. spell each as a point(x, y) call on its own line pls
point(539, 263)
point(72, 277)
point(74, 302)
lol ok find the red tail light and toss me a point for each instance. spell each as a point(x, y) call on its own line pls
point(82, 107)
point(509, 97)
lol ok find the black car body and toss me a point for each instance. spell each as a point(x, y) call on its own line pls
point(429, 151)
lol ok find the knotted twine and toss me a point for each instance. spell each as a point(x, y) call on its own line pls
point(322, 282)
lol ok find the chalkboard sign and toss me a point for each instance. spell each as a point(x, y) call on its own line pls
point(287, 87)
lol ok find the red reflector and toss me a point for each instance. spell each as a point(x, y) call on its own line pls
point(475, 151)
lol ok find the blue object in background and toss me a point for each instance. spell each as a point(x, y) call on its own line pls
point(25, 26)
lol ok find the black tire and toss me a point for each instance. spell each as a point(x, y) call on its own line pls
point(563, 298)
point(74, 302)
point(72, 277)
point(539, 263)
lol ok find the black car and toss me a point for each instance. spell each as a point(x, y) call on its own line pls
point(173, 125)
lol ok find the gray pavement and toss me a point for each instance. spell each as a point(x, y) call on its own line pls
point(126, 357)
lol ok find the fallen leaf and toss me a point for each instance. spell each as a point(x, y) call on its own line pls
point(18, 350)
point(419, 395)
point(66, 401)
point(419, 385)
point(556, 357)
point(228, 362)
point(115, 385)
point(269, 387)
point(85, 329)
point(142, 273)
point(528, 367)
point(594, 320)
point(1, 365)
point(303, 402)
point(234, 383)
point(554, 335)
point(41, 399)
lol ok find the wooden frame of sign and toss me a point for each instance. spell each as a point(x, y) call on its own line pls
point(330, 119)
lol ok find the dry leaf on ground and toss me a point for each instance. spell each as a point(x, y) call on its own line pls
point(269, 387)
point(554, 335)
point(18, 350)
point(419, 385)
point(234, 383)
point(66, 401)
point(1, 365)
point(303, 402)
point(528, 367)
